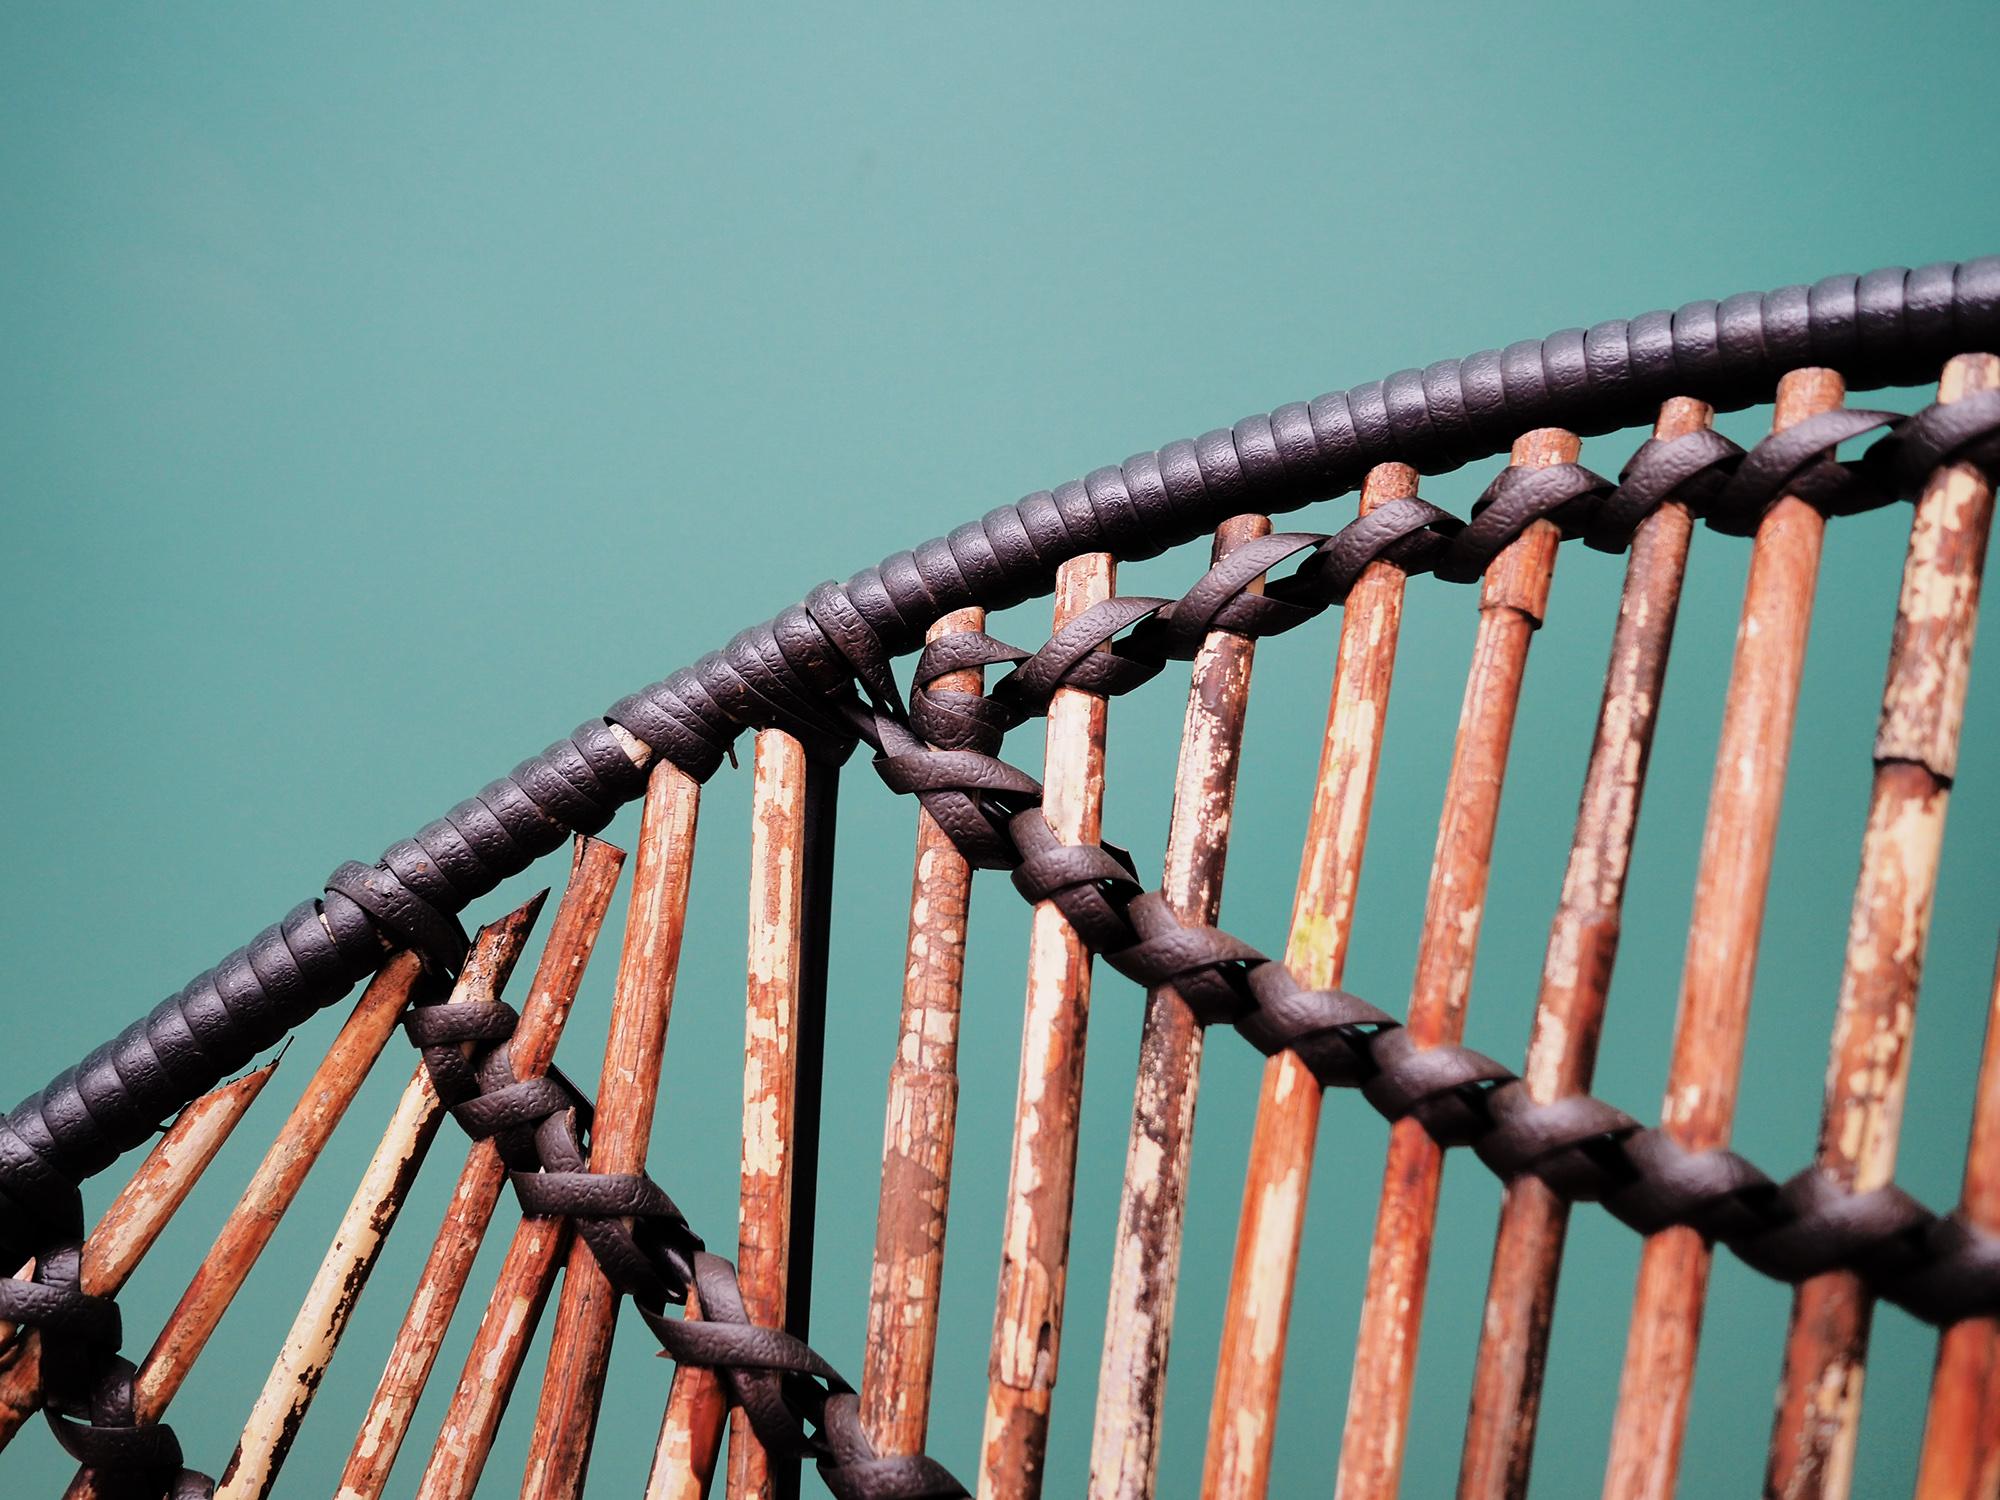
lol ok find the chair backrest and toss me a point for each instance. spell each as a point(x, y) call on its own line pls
point(819, 680)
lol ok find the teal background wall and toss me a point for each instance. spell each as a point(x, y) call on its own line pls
point(383, 391)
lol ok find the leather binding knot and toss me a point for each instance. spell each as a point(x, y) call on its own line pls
point(1963, 431)
point(1799, 461)
point(1224, 598)
point(1691, 469)
point(950, 718)
point(1412, 534)
point(1072, 658)
point(794, 1400)
point(1518, 497)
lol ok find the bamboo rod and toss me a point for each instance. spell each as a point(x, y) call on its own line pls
point(358, 1242)
point(690, 1431)
point(271, 1191)
point(1041, 1181)
point(129, 1227)
point(593, 876)
point(1730, 887)
point(1916, 753)
point(580, 1345)
point(921, 1128)
point(1145, 1265)
point(1576, 974)
point(808, 1068)
point(770, 1078)
point(1513, 597)
point(1961, 1455)
point(493, 1363)
point(1243, 1417)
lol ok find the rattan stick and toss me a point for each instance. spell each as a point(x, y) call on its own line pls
point(1145, 1265)
point(1730, 886)
point(271, 1190)
point(921, 1128)
point(1041, 1183)
point(690, 1431)
point(1243, 1418)
point(770, 1078)
point(363, 1232)
point(1512, 599)
point(1916, 753)
point(493, 1363)
point(1961, 1456)
point(593, 876)
point(580, 1344)
point(129, 1227)
point(1576, 973)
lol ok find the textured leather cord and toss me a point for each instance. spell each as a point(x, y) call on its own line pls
point(794, 671)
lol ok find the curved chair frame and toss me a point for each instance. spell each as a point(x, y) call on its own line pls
point(818, 679)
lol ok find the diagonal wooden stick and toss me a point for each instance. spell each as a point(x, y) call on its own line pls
point(1732, 881)
point(1243, 1418)
point(1916, 755)
point(1512, 599)
point(358, 1243)
point(271, 1191)
point(130, 1226)
point(690, 1431)
point(1961, 1457)
point(1576, 975)
point(1041, 1183)
point(593, 876)
point(580, 1344)
point(922, 1124)
point(1131, 1382)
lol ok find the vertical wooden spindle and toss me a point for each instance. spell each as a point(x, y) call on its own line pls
point(593, 877)
point(628, 1089)
point(1512, 599)
point(1041, 1183)
point(1131, 1384)
point(129, 1227)
point(1243, 1418)
point(271, 1191)
point(921, 1128)
point(1738, 840)
point(770, 1061)
point(1916, 755)
point(1576, 974)
point(1961, 1456)
point(362, 1234)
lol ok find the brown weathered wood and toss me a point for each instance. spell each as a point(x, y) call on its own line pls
point(1734, 874)
point(1576, 974)
point(593, 876)
point(129, 1227)
point(628, 1089)
point(493, 1363)
point(921, 1127)
point(1961, 1455)
point(271, 1191)
point(363, 1232)
point(1041, 1183)
point(1145, 1265)
point(770, 1063)
point(1512, 599)
point(1916, 754)
point(690, 1439)
point(1243, 1417)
